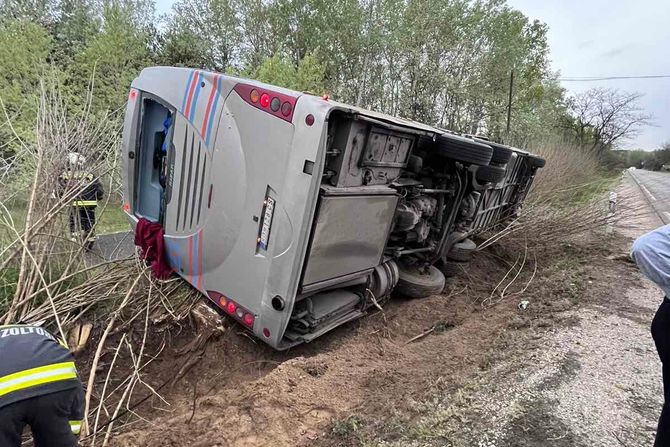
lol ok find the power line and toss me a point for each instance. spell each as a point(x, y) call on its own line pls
point(610, 78)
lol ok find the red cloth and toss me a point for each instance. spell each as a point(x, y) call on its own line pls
point(149, 237)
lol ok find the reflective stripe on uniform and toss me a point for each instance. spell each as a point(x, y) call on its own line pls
point(37, 376)
point(75, 426)
point(77, 175)
point(85, 203)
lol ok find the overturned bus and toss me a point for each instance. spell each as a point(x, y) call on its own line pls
point(294, 214)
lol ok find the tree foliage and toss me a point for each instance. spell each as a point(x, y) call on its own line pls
point(604, 117)
point(24, 48)
point(116, 54)
point(444, 62)
point(651, 160)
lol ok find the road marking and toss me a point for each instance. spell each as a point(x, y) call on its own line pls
point(647, 191)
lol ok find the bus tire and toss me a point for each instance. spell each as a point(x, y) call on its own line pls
point(491, 174)
point(462, 251)
point(501, 153)
point(450, 269)
point(536, 162)
point(414, 282)
point(463, 149)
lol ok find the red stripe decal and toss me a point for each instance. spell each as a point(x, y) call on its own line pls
point(209, 105)
point(200, 260)
point(190, 94)
point(190, 258)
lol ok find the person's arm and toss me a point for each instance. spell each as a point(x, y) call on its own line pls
point(99, 190)
point(651, 253)
point(76, 416)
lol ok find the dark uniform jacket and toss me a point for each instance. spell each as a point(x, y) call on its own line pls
point(33, 363)
point(90, 188)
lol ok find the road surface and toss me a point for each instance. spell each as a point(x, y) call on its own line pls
point(656, 187)
point(112, 246)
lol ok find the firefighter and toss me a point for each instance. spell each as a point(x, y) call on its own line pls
point(89, 192)
point(39, 387)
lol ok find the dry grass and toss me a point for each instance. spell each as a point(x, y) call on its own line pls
point(569, 168)
point(570, 199)
point(49, 278)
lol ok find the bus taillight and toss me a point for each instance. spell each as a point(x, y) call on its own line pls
point(232, 308)
point(277, 104)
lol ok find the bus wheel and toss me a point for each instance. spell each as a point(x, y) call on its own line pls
point(463, 149)
point(536, 161)
point(491, 174)
point(419, 282)
point(462, 251)
point(501, 153)
point(450, 268)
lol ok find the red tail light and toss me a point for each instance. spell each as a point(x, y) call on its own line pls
point(249, 320)
point(232, 308)
point(277, 104)
point(265, 100)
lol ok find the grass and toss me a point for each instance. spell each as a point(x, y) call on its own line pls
point(111, 220)
point(572, 176)
point(8, 279)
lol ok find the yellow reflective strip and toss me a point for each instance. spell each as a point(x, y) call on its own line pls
point(85, 203)
point(39, 381)
point(41, 369)
point(75, 426)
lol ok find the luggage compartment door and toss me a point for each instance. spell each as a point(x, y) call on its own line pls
point(349, 236)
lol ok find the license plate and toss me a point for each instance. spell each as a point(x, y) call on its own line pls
point(268, 212)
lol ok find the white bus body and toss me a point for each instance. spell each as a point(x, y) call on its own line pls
point(290, 212)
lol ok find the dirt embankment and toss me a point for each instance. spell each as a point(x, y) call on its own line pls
point(484, 376)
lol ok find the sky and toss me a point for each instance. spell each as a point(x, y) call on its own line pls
point(604, 38)
point(612, 38)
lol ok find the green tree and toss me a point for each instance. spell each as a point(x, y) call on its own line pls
point(115, 55)
point(40, 12)
point(77, 22)
point(279, 70)
point(24, 48)
point(203, 34)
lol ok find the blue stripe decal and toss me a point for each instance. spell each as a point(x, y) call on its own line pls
point(188, 84)
point(194, 267)
point(172, 250)
point(213, 111)
point(195, 98)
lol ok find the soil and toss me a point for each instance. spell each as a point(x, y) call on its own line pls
point(576, 367)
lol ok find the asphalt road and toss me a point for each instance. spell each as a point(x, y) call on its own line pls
point(656, 187)
point(112, 246)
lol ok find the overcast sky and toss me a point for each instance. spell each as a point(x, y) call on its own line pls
point(612, 38)
point(606, 38)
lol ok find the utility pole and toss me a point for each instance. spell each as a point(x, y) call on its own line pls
point(509, 102)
